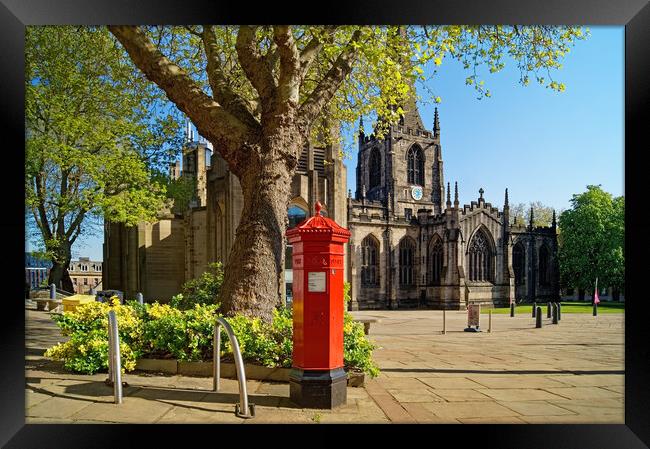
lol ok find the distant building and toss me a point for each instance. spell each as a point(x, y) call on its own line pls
point(36, 270)
point(86, 274)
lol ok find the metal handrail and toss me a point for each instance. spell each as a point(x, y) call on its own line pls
point(248, 410)
point(114, 360)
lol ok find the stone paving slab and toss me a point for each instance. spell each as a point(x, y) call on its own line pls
point(519, 394)
point(462, 395)
point(536, 408)
point(458, 410)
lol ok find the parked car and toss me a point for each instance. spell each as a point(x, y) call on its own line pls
point(105, 295)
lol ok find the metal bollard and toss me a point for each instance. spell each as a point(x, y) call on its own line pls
point(489, 321)
point(114, 355)
point(140, 298)
point(444, 321)
point(538, 318)
point(548, 309)
point(534, 308)
point(216, 357)
point(559, 311)
point(52, 291)
point(595, 309)
point(512, 309)
point(554, 313)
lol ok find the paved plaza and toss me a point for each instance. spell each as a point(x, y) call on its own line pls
point(572, 372)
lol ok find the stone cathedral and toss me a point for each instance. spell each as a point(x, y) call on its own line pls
point(412, 246)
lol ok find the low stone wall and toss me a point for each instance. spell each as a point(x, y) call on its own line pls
point(228, 370)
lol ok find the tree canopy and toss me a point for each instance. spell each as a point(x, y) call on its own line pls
point(95, 130)
point(592, 240)
point(542, 215)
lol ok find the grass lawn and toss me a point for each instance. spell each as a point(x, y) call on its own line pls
point(567, 307)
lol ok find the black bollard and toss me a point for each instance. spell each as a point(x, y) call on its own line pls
point(512, 309)
point(548, 309)
point(559, 311)
point(538, 318)
point(554, 313)
point(595, 309)
point(534, 308)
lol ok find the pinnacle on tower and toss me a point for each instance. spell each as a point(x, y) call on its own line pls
point(554, 224)
point(531, 217)
point(448, 195)
point(506, 204)
point(436, 123)
point(456, 194)
point(481, 192)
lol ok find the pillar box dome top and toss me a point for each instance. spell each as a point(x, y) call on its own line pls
point(318, 228)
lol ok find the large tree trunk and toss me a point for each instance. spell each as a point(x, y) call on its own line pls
point(251, 284)
point(59, 275)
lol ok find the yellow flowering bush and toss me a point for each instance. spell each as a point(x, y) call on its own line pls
point(86, 351)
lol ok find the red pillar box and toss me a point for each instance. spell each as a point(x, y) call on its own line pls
point(318, 379)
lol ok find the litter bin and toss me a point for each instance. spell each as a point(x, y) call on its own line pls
point(106, 295)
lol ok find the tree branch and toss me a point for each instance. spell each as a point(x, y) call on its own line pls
point(75, 226)
point(41, 207)
point(288, 85)
point(253, 63)
point(309, 52)
point(328, 86)
point(225, 131)
point(221, 89)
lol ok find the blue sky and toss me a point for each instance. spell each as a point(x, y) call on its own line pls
point(542, 145)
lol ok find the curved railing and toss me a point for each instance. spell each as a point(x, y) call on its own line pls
point(243, 409)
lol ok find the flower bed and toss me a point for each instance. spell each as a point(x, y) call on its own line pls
point(160, 331)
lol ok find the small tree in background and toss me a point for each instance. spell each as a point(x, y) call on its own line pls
point(592, 241)
point(95, 130)
point(542, 215)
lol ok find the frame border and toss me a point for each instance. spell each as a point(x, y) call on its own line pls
point(633, 14)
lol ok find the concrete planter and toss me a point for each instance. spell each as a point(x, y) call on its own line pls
point(356, 379)
point(169, 366)
point(228, 370)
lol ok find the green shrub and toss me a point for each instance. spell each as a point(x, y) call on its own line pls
point(202, 290)
point(181, 334)
point(357, 349)
point(86, 351)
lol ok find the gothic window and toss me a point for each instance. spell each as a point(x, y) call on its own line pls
point(375, 168)
point(406, 262)
point(296, 214)
point(435, 261)
point(370, 262)
point(480, 258)
point(519, 263)
point(415, 166)
point(544, 265)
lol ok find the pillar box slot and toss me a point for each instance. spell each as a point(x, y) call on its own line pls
point(318, 379)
